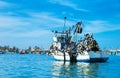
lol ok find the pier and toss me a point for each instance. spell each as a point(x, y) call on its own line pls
point(114, 52)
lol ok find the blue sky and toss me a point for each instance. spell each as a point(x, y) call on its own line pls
point(26, 23)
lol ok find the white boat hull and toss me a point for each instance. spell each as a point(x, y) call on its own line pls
point(86, 57)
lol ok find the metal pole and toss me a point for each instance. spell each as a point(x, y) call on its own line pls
point(64, 23)
point(64, 57)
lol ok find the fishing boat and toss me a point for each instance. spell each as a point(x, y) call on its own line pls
point(68, 46)
point(2, 52)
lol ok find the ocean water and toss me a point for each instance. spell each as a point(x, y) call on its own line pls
point(43, 66)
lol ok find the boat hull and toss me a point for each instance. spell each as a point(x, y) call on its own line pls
point(87, 57)
point(98, 59)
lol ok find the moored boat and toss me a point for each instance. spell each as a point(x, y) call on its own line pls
point(2, 52)
point(88, 57)
point(68, 47)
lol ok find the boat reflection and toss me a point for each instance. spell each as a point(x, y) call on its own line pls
point(74, 70)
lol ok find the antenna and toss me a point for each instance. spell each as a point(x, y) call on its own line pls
point(64, 22)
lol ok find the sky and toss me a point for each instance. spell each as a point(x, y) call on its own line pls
point(25, 23)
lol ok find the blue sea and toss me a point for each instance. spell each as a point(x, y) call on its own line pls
point(43, 66)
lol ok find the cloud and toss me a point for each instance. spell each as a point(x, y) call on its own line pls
point(68, 4)
point(41, 23)
point(20, 26)
point(4, 4)
point(19, 30)
point(11, 21)
point(37, 24)
point(45, 18)
point(97, 26)
point(31, 38)
point(26, 34)
point(48, 19)
point(36, 27)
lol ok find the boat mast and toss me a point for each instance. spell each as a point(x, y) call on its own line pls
point(64, 23)
point(63, 32)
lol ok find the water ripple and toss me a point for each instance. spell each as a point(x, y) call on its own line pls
point(42, 66)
